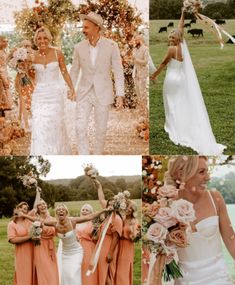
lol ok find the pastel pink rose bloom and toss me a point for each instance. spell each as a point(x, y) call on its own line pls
point(165, 217)
point(168, 191)
point(157, 233)
point(183, 211)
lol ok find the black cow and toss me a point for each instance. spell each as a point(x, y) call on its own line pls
point(187, 25)
point(230, 41)
point(197, 32)
point(193, 21)
point(171, 24)
point(162, 29)
point(220, 22)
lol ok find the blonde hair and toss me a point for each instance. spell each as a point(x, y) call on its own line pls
point(42, 30)
point(181, 168)
point(62, 206)
point(134, 208)
point(177, 34)
point(87, 206)
point(21, 204)
point(39, 203)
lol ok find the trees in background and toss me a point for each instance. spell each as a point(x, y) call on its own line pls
point(171, 9)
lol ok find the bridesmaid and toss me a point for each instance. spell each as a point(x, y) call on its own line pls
point(18, 234)
point(45, 262)
point(84, 234)
point(107, 264)
point(5, 97)
point(125, 261)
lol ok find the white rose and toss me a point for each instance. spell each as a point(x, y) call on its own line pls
point(168, 191)
point(183, 211)
point(165, 217)
point(126, 193)
point(157, 233)
point(123, 206)
point(37, 223)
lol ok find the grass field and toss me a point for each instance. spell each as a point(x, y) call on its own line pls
point(7, 250)
point(215, 69)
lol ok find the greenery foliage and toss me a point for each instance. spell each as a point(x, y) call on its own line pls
point(171, 9)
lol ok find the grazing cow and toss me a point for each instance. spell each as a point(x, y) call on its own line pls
point(171, 24)
point(230, 41)
point(162, 29)
point(187, 25)
point(193, 21)
point(220, 22)
point(197, 32)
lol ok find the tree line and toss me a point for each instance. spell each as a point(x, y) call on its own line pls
point(171, 9)
point(12, 190)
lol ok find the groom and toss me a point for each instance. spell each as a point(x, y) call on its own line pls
point(95, 58)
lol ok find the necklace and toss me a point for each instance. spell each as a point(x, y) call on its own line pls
point(43, 54)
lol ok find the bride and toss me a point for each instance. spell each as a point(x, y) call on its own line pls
point(186, 118)
point(72, 252)
point(202, 261)
point(48, 125)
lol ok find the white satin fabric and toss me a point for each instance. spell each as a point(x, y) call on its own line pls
point(187, 121)
point(202, 261)
point(49, 136)
point(70, 259)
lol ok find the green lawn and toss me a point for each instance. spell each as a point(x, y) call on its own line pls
point(215, 69)
point(7, 250)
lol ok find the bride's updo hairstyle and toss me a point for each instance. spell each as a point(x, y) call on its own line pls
point(42, 30)
point(177, 34)
point(181, 168)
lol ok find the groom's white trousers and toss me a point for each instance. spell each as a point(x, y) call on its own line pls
point(101, 112)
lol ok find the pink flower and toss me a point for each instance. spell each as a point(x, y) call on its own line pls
point(168, 191)
point(165, 217)
point(183, 211)
point(157, 233)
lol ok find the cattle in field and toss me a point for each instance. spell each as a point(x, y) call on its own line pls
point(171, 24)
point(187, 25)
point(196, 32)
point(220, 22)
point(230, 41)
point(162, 29)
point(193, 21)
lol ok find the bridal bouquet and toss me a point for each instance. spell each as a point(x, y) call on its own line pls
point(20, 61)
point(192, 6)
point(121, 202)
point(90, 171)
point(165, 224)
point(35, 232)
point(30, 181)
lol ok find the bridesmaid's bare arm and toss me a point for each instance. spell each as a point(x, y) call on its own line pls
point(18, 240)
point(225, 224)
point(87, 218)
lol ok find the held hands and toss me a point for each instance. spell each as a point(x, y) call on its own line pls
point(109, 258)
point(71, 94)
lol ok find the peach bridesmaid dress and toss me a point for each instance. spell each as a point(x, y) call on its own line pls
point(109, 269)
point(45, 262)
point(23, 253)
point(126, 254)
point(84, 232)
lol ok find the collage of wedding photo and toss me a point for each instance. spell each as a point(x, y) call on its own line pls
point(117, 142)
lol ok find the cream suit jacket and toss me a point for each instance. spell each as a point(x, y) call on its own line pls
point(108, 60)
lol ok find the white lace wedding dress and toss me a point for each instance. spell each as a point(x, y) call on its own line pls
point(48, 119)
point(187, 121)
point(70, 259)
point(202, 261)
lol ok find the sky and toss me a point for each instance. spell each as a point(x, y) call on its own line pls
point(63, 166)
point(68, 166)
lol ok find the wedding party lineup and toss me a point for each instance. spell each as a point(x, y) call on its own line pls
point(117, 145)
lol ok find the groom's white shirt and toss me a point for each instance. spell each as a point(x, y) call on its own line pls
point(98, 75)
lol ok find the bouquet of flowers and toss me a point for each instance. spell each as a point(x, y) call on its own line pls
point(20, 61)
point(121, 202)
point(192, 6)
point(90, 171)
point(35, 232)
point(165, 224)
point(30, 180)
